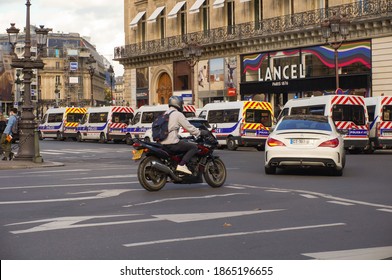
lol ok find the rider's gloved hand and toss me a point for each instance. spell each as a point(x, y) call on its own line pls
point(204, 132)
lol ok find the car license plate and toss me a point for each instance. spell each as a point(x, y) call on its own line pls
point(300, 141)
point(137, 154)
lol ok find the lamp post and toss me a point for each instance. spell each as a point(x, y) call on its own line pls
point(111, 73)
point(17, 82)
point(57, 93)
point(91, 71)
point(192, 52)
point(28, 147)
point(336, 26)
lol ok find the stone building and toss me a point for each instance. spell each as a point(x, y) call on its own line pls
point(221, 50)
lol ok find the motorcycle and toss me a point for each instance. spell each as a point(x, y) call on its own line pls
point(158, 164)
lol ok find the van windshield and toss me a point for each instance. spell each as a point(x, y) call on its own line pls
point(353, 113)
point(258, 116)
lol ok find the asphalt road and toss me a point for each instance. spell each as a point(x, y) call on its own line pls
point(94, 208)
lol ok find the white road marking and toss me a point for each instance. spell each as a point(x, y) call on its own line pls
point(278, 191)
point(105, 177)
point(67, 185)
point(57, 171)
point(230, 234)
point(50, 153)
point(308, 195)
point(327, 196)
point(234, 187)
point(376, 253)
point(77, 221)
point(340, 203)
point(101, 194)
point(385, 210)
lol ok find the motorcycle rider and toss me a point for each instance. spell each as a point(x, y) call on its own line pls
point(173, 143)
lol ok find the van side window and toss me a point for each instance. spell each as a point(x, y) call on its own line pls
point(223, 116)
point(309, 110)
point(353, 113)
point(371, 110)
point(387, 113)
point(52, 118)
point(136, 119)
point(203, 114)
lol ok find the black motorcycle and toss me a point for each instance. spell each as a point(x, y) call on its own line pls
point(158, 164)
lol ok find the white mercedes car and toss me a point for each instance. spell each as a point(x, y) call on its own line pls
point(305, 141)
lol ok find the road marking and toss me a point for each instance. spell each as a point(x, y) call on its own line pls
point(327, 196)
point(234, 187)
point(68, 185)
point(376, 253)
point(105, 177)
point(184, 218)
point(340, 203)
point(101, 194)
point(77, 221)
point(50, 153)
point(57, 171)
point(308, 195)
point(385, 210)
point(230, 234)
point(278, 191)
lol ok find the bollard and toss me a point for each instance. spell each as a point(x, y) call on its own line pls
point(37, 156)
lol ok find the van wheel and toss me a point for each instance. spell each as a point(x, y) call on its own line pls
point(231, 145)
point(102, 138)
point(79, 137)
point(270, 169)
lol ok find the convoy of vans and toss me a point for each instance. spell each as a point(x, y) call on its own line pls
point(60, 123)
point(348, 112)
point(145, 115)
point(104, 124)
point(365, 123)
point(380, 122)
point(240, 123)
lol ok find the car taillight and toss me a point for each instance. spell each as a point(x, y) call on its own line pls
point(330, 143)
point(136, 144)
point(274, 143)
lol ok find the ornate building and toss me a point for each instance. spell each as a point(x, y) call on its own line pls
point(69, 77)
point(275, 50)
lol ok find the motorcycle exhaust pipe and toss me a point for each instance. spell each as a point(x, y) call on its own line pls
point(166, 170)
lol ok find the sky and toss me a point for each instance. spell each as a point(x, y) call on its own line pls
point(100, 20)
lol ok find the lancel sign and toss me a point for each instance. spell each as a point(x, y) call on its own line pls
point(279, 75)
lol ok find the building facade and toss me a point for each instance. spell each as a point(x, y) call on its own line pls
point(69, 77)
point(221, 50)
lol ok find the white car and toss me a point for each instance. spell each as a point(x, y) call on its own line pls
point(306, 141)
point(197, 122)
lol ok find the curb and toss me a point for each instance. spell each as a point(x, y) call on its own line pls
point(19, 164)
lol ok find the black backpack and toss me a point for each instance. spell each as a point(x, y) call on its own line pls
point(15, 127)
point(160, 127)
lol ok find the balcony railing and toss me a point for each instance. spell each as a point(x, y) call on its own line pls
point(310, 20)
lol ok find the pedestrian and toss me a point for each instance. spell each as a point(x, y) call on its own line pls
point(3, 124)
point(6, 136)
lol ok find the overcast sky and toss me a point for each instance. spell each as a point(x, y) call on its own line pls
point(101, 20)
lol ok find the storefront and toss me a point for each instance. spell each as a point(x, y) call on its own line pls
point(282, 75)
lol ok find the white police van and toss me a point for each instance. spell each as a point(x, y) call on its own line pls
point(144, 117)
point(240, 123)
point(105, 124)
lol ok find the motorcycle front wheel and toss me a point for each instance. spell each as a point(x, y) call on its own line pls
point(215, 173)
point(150, 178)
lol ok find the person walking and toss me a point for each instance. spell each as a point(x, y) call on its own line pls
point(3, 124)
point(5, 139)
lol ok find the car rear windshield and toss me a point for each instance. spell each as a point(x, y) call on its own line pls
point(304, 124)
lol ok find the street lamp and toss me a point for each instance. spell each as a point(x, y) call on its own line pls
point(111, 73)
point(57, 93)
point(17, 82)
point(91, 71)
point(335, 26)
point(192, 52)
point(28, 144)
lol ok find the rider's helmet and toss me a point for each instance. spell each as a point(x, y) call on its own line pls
point(177, 102)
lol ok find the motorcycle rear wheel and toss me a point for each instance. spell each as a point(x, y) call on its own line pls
point(150, 178)
point(215, 173)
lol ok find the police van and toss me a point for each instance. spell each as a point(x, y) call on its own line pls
point(144, 117)
point(105, 124)
point(60, 123)
point(348, 112)
point(240, 123)
point(380, 122)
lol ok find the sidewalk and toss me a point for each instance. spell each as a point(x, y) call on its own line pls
point(24, 164)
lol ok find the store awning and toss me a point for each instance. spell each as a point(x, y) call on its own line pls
point(195, 7)
point(173, 13)
point(219, 4)
point(155, 14)
point(137, 18)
